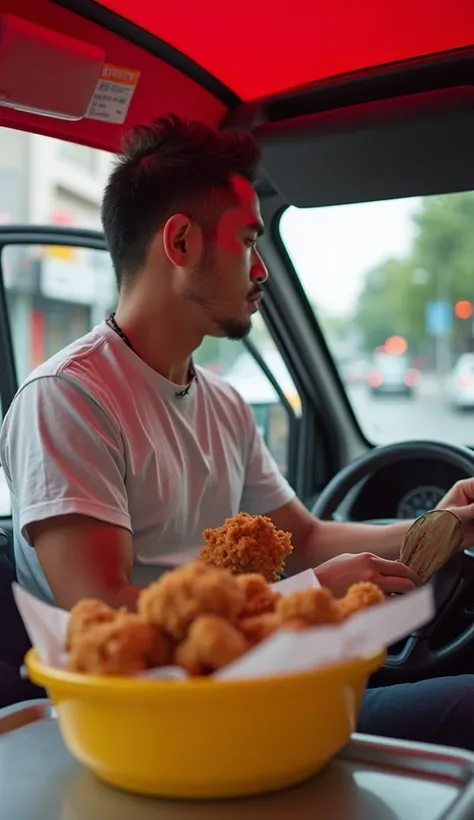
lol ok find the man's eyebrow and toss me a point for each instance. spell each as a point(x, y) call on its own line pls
point(256, 226)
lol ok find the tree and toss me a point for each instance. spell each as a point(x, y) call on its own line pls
point(381, 310)
point(440, 266)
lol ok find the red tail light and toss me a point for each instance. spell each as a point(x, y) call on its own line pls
point(412, 378)
point(374, 379)
point(464, 382)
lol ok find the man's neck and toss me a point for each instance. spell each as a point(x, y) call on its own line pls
point(161, 340)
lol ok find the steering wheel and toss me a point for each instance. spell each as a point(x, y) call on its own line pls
point(418, 658)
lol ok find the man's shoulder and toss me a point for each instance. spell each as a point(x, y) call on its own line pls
point(86, 352)
point(220, 387)
point(77, 380)
point(82, 369)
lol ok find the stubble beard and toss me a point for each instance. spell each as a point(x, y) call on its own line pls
point(202, 291)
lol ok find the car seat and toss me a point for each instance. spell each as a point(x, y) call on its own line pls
point(14, 641)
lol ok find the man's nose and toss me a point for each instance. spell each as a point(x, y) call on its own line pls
point(259, 271)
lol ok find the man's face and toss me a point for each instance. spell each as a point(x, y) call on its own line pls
point(227, 282)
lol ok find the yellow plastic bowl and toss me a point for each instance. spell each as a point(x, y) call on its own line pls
point(204, 738)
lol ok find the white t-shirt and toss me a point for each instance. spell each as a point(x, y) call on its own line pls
point(96, 431)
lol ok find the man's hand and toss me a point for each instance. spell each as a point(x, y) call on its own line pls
point(338, 574)
point(460, 500)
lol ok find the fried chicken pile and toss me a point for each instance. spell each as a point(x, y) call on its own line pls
point(86, 614)
point(247, 544)
point(201, 618)
point(314, 606)
point(359, 596)
point(212, 643)
point(179, 597)
point(258, 596)
point(258, 627)
point(120, 644)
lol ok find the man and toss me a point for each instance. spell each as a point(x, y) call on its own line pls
point(117, 451)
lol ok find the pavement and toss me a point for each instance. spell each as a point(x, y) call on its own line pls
point(426, 415)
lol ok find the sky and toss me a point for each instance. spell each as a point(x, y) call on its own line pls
point(332, 248)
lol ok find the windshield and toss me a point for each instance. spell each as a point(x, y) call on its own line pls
point(392, 286)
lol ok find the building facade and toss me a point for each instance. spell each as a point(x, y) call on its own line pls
point(55, 294)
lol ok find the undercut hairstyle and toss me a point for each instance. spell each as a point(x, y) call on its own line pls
point(170, 166)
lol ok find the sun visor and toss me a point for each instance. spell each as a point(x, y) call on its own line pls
point(413, 145)
point(44, 72)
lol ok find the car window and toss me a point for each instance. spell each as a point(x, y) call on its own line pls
point(54, 296)
point(392, 287)
point(236, 364)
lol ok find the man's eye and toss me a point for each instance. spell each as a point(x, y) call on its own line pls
point(250, 242)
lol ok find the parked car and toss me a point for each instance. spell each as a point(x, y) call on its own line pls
point(245, 375)
point(461, 383)
point(392, 375)
point(354, 372)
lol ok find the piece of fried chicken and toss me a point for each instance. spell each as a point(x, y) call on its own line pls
point(260, 598)
point(212, 643)
point(87, 614)
point(247, 544)
point(181, 595)
point(257, 628)
point(125, 646)
point(314, 606)
point(359, 596)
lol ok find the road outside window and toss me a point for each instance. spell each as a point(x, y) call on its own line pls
point(392, 286)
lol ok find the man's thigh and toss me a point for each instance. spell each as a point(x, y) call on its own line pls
point(439, 711)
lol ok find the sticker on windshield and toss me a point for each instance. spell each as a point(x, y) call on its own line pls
point(113, 94)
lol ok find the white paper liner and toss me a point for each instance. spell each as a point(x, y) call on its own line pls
point(283, 652)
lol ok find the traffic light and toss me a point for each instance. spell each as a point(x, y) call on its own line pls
point(463, 309)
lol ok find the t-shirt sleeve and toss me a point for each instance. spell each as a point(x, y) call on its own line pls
point(265, 487)
point(62, 454)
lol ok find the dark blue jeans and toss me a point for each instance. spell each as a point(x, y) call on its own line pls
point(439, 711)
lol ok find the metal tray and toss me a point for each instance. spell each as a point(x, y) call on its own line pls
point(33, 711)
point(371, 779)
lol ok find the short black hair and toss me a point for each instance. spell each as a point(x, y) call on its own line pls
point(169, 166)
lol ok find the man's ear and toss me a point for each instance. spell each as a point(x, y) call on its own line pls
point(182, 241)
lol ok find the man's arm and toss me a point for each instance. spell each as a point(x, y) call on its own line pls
point(317, 541)
point(343, 554)
point(64, 459)
point(85, 558)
